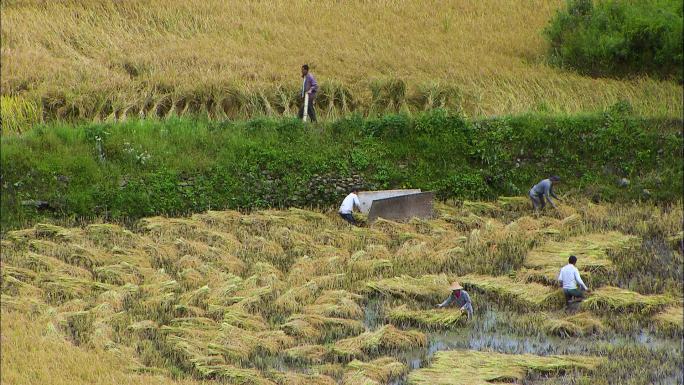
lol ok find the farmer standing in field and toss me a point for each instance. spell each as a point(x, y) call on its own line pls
point(460, 298)
point(348, 204)
point(309, 87)
point(569, 279)
point(543, 191)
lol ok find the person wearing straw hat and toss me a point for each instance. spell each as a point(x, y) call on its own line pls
point(460, 298)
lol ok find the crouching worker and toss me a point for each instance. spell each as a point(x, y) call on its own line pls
point(542, 192)
point(571, 282)
point(348, 204)
point(460, 298)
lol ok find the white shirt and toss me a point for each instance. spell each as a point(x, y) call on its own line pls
point(570, 277)
point(348, 204)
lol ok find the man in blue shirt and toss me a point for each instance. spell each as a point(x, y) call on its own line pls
point(543, 191)
point(309, 87)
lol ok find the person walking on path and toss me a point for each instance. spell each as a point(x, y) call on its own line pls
point(348, 204)
point(309, 88)
point(570, 279)
point(460, 298)
point(542, 192)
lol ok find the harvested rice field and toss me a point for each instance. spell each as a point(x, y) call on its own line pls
point(299, 297)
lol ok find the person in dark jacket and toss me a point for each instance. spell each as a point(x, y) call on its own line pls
point(309, 87)
point(460, 298)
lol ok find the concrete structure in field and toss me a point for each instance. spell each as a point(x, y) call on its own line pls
point(403, 207)
point(367, 197)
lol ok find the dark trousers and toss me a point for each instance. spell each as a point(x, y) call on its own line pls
point(349, 218)
point(572, 293)
point(537, 201)
point(310, 111)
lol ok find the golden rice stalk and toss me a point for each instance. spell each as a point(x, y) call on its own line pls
point(18, 114)
point(561, 325)
point(431, 288)
point(297, 297)
point(386, 338)
point(307, 354)
point(518, 204)
point(236, 315)
point(110, 235)
point(292, 378)
point(313, 327)
point(429, 319)
point(337, 304)
point(590, 249)
point(379, 371)
point(234, 375)
point(468, 367)
point(505, 290)
point(58, 233)
point(615, 299)
point(670, 321)
point(481, 208)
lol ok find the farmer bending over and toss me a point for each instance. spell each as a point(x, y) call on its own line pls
point(543, 191)
point(348, 204)
point(460, 298)
point(569, 278)
point(309, 87)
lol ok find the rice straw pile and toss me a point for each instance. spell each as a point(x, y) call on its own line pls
point(468, 367)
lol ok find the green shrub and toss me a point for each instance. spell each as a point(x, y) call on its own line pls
point(619, 37)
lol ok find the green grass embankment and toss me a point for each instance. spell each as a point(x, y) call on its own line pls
point(140, 168)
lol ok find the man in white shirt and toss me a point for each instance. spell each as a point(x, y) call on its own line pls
point(569, 279)
point(348, 204)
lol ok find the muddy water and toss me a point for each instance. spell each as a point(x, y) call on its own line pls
point(489, 331)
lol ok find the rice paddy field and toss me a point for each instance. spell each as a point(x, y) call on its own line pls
point(299, 297)
point(107, 61)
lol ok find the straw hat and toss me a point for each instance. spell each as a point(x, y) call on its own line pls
point(455, 286)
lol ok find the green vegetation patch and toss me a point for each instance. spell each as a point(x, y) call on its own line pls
point(505, 290)
point(619, 37)
point(468, 367)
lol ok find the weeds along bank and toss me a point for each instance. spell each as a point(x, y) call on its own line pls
point(104, 61)
point(298, 297)
point(140, 168)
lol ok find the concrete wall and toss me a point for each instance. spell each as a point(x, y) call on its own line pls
point(367, 197)
point(403, 207)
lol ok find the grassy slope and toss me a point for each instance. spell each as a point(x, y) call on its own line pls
point(101, 58)
point(182, 166)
